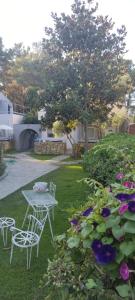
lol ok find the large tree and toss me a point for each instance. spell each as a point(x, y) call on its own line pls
point(86, 74)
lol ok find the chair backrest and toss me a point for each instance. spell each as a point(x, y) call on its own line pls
point(52, 189)
point(35, 225)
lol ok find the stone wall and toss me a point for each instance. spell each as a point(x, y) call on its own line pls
point(90, 144)
point(7, 145)
point(49, 147)
point(131, 129)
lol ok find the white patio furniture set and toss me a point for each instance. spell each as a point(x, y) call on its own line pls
point(42, 205)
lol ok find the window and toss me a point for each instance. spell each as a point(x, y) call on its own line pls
point(92, 133)
point(9, 109)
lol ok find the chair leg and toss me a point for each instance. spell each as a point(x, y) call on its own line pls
point(50, 224)
point(3, 236)
point(27, 258)
point(29, 252)
point(53, 213)
point(27, 210)
point(37, 249)
point(6, 233)
point(30, 256)
point(11, 253)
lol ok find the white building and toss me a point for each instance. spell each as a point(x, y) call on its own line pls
point(7, 117)
point(77, 135)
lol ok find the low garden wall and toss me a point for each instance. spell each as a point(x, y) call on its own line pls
point(7, 145)
point(49, 147)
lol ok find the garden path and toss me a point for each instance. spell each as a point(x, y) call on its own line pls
point(22, 169)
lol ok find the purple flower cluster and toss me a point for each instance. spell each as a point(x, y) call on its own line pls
point(87, 212)
point(125, 197)
point(104, 254)
point(129, 184)
point(105, 212)
point(123, 208)
point(74, 222)
point(119, 176)
point(124, 271)
point(131, 206)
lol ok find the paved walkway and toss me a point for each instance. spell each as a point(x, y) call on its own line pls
point(23, 169)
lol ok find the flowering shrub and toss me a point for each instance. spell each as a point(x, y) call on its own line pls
point(96, 257)
point(111, 155)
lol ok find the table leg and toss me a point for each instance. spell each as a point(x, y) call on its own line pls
point(27, 210)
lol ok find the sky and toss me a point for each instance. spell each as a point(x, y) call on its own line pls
point(24, 20)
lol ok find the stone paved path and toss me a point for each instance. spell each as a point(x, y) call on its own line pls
point(23, 169)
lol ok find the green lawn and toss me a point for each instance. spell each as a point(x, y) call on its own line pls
point(41, 156)
point(16, 283)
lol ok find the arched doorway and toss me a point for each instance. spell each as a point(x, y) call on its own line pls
point(26, 138)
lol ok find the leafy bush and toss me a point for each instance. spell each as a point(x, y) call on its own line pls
point(114, 153)
point(31, 118)
point(96, 257)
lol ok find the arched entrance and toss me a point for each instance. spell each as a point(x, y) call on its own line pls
point(26, 138)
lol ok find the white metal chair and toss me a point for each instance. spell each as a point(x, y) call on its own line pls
point(5, 224)
point(28, 238)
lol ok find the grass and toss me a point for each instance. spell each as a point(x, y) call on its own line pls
point(15, 281)
point(70, 158)
point(41, 156)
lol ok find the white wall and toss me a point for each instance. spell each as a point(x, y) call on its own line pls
point(6, 119)
point(17, 118)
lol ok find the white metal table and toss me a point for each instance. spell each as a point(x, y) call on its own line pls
point(40, 202)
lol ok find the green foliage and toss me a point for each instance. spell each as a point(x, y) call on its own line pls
point(113, 154)
point(58, 128)
point(76, 269)
point(86, 74)
point(31, 118)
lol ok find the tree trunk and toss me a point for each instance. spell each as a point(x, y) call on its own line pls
point(86, 136)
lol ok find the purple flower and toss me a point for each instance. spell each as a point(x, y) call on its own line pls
point(119, 176)
point(123, 197)
point(132, 196)
point(131, 206)
point(96, 246)
point(74, 222)
point(129, 184)
point(124, 271)
point(123, 209)
point(105, 212)
point(106, 254)
point(87, 212)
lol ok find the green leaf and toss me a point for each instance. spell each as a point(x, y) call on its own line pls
point(130, 216)
point(112, 221)
point(106, 240)
point(86, 230)
point(59, 238)
point(101, 228)
point(119, 257)
point(86, 244)
point(127, 248)
point(73, 242)
point(129, 227)
point(90, 284)
point(118, 231)
point(123, 290)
